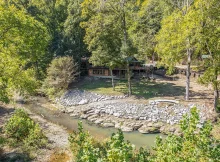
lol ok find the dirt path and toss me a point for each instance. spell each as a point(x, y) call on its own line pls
point(57, 136)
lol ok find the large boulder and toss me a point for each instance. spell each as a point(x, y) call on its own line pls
point(99, 121)
point(107, 125)
point(146, 130)
point(126, 128)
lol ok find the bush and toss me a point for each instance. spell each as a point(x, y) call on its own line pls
point(20, 129)
point(196, 144)
point(118, 149)
point(19, 125)
point(60, 73)
point(86, 149)
point(2, 143)
point(83, 146)
point(35, 139)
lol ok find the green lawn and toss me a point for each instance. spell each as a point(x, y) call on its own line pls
point(145, 89)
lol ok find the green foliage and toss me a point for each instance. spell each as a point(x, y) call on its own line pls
point(21, 130)
point(61, 72)
point(73, 36)
point(142, 155)
point(19, 125)
point(145, 27)
point(118, 149)
point(211, 44)
point(196, 144)
point(86, 149)
point(23, 41)
point(83, 146)
point(107, 24)
point(2, 143)
point(35, 139)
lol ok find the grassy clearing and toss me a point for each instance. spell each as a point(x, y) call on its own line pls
point(103, 87)
point(140, 88)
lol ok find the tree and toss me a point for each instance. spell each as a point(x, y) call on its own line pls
point(196, 144)
point(23, 42)
point(210, 36)
point(179, 38)
point(61, 72)
point(103, 40)
point(107, 33)
point(73, 33)
point(146, 24)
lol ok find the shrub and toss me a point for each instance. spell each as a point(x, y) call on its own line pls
point(118, 149)
point(19, 125)
point(2, 142)
point(86, 148)
point(196, 144)
point(21, 129)
point(60, 73)
point(35, 139)
point(83, 146)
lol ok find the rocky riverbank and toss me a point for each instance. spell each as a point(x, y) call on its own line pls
point(116, 111)
point(81, 97)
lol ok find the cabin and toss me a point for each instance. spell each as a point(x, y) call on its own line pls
point(137, 68)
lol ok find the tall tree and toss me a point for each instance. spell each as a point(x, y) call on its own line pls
point(179, 38)
point(52, 15)
point(209, 14)
point(23, 42)
point(146, 24)
point(107, 32)
point(73, 33)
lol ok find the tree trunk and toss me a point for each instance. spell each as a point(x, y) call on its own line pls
point(189, 55)
point(216, 98)
point(125, 44)
point(129, 79)
point(216, 92)
point(113, 84)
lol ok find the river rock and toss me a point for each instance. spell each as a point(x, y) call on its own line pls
point(99, 121)
point(153, 115)
point(69, 111)
point(163, 129)
point(106, 125)
point(83, 101)
point(118, 125)
point(92, 118)
point(85, 116)
point(149, 124)
point(158, 125)
point(126, 129)
point(172, 129)
point(146, 130)
point(74, 115)
point(87, 110)
point(178, 132)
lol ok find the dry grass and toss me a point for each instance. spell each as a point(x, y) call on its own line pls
point(216, 130)
point(59, 156)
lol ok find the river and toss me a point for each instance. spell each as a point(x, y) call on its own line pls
point(55, 116)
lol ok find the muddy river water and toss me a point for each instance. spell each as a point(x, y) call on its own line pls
point(54, 116)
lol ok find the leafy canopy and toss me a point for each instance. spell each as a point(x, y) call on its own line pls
point(23, 42)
